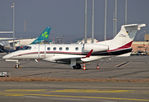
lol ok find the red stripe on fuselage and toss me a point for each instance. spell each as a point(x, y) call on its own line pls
point(128, 45)
point(54, 52)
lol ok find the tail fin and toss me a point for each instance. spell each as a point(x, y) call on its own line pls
point(126, 36)
point(129, 31)
point(43, 37)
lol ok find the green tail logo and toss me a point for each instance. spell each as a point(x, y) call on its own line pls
point(45, 34)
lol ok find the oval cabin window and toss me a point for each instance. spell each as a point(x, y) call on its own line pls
point(60, 48)
point(67, 48)
point(48, 48)
point(54, 48)
point(76, 48)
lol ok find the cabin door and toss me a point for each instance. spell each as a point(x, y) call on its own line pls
point(41, 51)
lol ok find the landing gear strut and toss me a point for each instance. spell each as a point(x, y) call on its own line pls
point(77, 66)
point(17, 65)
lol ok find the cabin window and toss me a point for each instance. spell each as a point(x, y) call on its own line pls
point(60, 48)
point(48, 48)
point(54, 48)
point(67, 48)
point(76, 48)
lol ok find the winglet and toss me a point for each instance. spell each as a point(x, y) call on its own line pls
point(89, 54)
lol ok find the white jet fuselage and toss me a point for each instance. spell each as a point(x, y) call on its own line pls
point(56, 52)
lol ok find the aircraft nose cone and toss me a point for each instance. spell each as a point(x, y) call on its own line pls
point(6, 56)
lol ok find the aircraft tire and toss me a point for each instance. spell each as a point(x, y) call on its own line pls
point(77, 66)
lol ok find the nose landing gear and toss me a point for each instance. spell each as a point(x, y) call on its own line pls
point(77, 66)
point(17, 66)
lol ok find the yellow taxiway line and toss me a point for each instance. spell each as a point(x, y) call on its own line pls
point(69, 96)
point(27, 92)
point(69, 91)
point(24, 90)
point(90, 91)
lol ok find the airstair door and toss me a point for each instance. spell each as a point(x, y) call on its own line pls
point(41, 51)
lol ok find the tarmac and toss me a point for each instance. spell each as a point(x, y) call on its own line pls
point(128, 68)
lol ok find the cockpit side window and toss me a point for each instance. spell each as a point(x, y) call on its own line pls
point(24, 48)
point(27, 47)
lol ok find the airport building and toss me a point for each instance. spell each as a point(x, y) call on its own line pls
point(89, 40)
point(141, 47)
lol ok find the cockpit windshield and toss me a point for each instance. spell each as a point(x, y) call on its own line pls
point(23, 48)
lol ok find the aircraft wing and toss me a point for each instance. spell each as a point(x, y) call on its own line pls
point(67, 58)
point(63, 58)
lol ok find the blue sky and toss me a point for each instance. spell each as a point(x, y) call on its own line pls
point(66, 17)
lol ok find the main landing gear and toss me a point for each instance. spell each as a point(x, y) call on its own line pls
point(77, 66)
point(17, 66)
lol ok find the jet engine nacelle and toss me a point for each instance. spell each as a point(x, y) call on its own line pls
point(95, 47)
point(50, 59)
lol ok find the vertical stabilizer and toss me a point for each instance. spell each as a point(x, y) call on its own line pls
point(43, 37)
point(129, 31)
point(126, 36)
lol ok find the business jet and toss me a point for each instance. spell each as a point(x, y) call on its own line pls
point(6, 46)
point(76, 54)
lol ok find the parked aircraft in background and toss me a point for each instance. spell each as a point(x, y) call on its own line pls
point(76, 54)
point(7, 46)
point(3, 42)
point(5, 39)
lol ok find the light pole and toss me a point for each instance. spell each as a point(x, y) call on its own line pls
point(93, 7)
point(13, 21)
point(126, 11)
point(115, 19)
point(105, 21)
point(85, 23)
